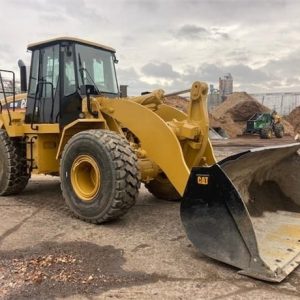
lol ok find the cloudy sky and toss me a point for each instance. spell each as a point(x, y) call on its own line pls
point(169, 44)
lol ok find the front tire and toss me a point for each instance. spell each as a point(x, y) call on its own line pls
point(266, 133)
point(99, 175)
point(14, 175)
point(279, 130)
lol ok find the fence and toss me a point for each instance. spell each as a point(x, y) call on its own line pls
point(283, 103)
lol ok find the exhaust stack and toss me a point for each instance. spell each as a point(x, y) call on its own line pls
point(23, 76)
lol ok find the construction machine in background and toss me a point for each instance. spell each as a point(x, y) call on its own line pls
point(244, 210)
point(266, 125)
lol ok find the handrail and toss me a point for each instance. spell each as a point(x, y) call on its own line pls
point(6, 92)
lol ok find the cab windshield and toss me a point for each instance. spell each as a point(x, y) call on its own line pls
point(96, 67)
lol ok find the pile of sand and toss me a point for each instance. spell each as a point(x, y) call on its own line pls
point(294, 119)
point(233, 113)
point(232, 129)
point(177, 102)
point(218, 118)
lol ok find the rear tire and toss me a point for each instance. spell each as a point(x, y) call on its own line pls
point(266, 133)
point(99, 175)
point(13, 166)
point(279, 130)
point(162, 188)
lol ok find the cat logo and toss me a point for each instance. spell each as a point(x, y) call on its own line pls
point(202, 179)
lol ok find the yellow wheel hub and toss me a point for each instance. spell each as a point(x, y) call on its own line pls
point(85, 177)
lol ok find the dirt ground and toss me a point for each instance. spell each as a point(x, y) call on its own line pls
point(46, 253)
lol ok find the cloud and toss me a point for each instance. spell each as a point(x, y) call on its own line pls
point(189, 31)
point(161, 70)
point(205, 72)
point(243, 73)
point(142, 5)
point(244, 76)
point(286, 66)
point(60, 10)
point(6, 53)
point(169, 44)
point(5, 50)
point(130, 77)
point(193, 31)
point(238, 55)
point(127, 76)
point(218, 32)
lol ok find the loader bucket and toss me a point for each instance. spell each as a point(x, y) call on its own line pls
point(245, 211)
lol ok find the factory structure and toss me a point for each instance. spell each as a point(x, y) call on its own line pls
point(216, 96)
point(225, 85)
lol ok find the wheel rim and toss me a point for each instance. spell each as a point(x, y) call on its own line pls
point(85, 177)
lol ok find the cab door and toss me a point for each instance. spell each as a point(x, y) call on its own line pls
point(43, 94)
point(71, 100)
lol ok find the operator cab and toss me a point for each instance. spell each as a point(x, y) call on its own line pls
point(59, 69)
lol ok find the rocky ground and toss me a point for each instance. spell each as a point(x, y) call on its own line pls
point(45, 253)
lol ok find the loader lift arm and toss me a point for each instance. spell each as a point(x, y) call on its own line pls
point(160, 139)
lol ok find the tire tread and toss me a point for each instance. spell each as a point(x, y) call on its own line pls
point(17, 173)
point(126, 170)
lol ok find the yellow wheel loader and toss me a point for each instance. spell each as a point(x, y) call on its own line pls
point(71, 122)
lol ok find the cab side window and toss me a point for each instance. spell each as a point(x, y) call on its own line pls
point(33, 79)
point(69, 73)
point(49, 71)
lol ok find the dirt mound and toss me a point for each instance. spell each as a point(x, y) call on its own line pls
point(288, 128)
point(294, 119)
point(243, 111)
point(231, 127)
point(177, 102)
point(219, 118)
point(239, 105)
point(233, 113)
